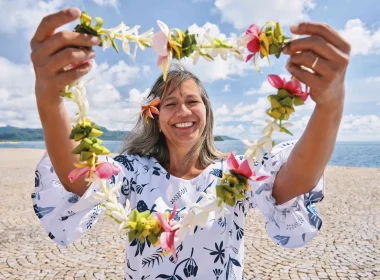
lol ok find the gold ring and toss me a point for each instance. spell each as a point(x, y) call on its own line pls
point(315, 62)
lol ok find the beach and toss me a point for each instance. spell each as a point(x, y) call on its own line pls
point(347, 247)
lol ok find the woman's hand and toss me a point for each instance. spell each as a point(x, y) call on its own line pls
point(327, 83)
point(52, 52)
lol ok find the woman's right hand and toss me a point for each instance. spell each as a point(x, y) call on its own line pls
point(51, 52)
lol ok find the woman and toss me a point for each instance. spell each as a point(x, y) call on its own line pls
point(172, 159)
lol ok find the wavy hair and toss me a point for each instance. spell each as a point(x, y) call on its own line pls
point(145, 139)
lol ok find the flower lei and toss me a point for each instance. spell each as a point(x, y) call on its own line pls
point(176, 44)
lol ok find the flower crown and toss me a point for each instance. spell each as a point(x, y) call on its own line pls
point(176, 44)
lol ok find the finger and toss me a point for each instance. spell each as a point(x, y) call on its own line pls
point(63, 39)
point(321, 67)
point(303, 76)
point(323, 30)
point(315, 44)
point(71, 76)
point(52, 22)
point(68, 56)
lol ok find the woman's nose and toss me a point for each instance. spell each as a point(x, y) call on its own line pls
point(183, 111)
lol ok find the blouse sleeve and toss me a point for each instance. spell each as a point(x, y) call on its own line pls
point(295, 222)
point(64, 215)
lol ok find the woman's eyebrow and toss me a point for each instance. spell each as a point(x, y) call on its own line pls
point(169, 99)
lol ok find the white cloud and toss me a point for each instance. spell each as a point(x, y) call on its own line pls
point(265, 87)
point(226, 88)
point(222, 110)
point(242, 13)
point(121, 74)
point(112, 3)
point(24, 16)
point(230, 130)
point(219, 69)
point(363, 40)
point(137, 97)
point(107, 106)
point(242, 112)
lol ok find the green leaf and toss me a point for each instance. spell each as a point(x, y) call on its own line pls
point(278, 31)
point(298, 101)
point(283, 129)
point(288, 102)
point(283, 93)
point(114, 44)
point(99, 23)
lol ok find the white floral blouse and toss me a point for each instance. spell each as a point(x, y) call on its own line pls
point(213, 252)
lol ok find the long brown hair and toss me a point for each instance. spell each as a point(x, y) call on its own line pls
point(146, 139)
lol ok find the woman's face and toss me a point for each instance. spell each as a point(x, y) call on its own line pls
point(182, 116)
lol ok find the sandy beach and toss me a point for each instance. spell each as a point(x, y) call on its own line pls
point(348, 246)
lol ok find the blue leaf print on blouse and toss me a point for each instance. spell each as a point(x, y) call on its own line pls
point(176, 216)
point(42, 211)
point(219, 252)
point(164, 276)
point(314, 219)
point(239, 232)
point(216, 172)
point(128, 164)
point(264, 187)
point(140, 188)
point(230, 273)
point(303, 236)
point(113, 179)
point(140, 246)
point(282, 239)
point(73, 199)
point(141, 206)
point(313, 197)
point(37, 179)
point(156, 171)
point(51, 235)
point(125, 189)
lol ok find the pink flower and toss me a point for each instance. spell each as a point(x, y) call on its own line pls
point(252, 35)
point(160, 43)
point(103, 170)
point(170, 227)
point(293, 86)
point(243, 169)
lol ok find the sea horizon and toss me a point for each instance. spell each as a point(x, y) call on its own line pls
point(346, 153)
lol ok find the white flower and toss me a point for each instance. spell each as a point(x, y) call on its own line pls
point(188, 222)
point(113, 33)
point(205, 53)
point(271, 126)
point(253, 150)
point(212, 203)
point(267, 143)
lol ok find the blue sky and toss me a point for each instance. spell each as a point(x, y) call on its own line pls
point(237, 91)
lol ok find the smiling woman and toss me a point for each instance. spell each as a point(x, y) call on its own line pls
point(170, 187)
point(181, 138)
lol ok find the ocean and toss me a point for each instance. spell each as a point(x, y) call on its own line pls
point(358, 154)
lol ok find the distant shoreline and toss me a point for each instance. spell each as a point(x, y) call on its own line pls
point(11, 142)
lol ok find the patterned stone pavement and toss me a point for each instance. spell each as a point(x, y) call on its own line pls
point(348, 247)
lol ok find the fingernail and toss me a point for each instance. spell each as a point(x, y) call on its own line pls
point(294, 28)
point(95, 40)
point(285, 49)
point(75, 12)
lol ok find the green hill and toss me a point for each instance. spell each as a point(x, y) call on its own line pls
point(11, 133)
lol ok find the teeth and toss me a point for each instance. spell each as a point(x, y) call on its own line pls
point(187, 124)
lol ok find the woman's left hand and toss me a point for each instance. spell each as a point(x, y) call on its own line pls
point(329, 53)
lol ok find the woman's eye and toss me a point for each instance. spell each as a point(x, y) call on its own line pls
point(170, 104)
point(194, 101)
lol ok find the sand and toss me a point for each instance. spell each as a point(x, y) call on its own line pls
point(348, 246)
